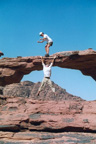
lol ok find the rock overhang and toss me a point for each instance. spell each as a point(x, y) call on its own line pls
point(12, 70)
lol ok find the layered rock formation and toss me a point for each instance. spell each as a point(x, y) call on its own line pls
point(46, 119)
point(12, 70)
point(26, 118)
point(28, 121)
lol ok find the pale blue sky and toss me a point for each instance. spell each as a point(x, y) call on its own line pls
point(70, 23)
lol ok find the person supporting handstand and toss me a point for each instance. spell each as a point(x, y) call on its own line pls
point(49, 42)
point(47, 75)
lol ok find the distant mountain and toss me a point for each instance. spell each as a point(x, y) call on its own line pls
point(29, 89)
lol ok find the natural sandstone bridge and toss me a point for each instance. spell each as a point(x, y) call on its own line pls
point(12, 70)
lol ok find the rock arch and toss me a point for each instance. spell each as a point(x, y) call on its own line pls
point(12, 70)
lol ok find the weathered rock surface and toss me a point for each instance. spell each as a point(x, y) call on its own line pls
point(12, 70)
point(29, 121)
point(47, 138)
point(46, 119)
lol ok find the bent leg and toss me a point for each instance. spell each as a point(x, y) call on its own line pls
point(47, 48)
point(48, 45)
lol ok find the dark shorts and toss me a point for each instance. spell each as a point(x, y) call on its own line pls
point(50, 43)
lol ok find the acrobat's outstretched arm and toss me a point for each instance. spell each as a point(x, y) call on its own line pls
point(43, 39)
point(53, 60)
point(42, 60)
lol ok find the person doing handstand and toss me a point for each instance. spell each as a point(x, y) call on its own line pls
point(49, 41)
point(47, 75)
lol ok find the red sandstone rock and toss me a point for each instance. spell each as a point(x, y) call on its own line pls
point(19, 113)
point(13, 69)
point(47, 138)
point(29, 121)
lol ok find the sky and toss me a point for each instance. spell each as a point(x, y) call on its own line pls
point(70, 23)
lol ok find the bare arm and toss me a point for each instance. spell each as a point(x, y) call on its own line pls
point(40, 41)
point(42, 60)
point(53, 60)
point(43, 39)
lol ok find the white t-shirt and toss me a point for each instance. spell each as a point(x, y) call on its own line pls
point(47, 70)
point(47, 38)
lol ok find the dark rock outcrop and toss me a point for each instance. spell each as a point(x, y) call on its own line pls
point(12, 70)
point(29, 89)
point(1, 53)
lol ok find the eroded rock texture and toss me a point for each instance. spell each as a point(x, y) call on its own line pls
point(12, 70)
point(26, 118)
point(29, 121)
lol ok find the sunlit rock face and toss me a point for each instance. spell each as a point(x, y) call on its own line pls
point(12, 70)
point(35, 121)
